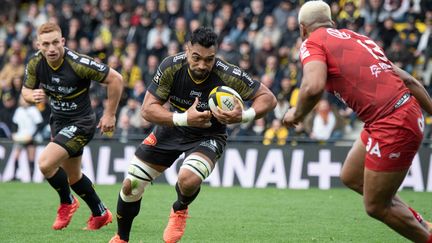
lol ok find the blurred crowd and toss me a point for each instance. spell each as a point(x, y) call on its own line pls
point(260, 36)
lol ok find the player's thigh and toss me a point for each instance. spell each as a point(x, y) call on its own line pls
point(353, 167)
point(381, 186)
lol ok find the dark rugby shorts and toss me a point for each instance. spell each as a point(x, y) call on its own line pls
point(165, 144)
point(73, 134)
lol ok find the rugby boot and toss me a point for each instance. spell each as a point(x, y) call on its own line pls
point(116, 239)
point(64, 214)
point(97, 222)
point(176, 226)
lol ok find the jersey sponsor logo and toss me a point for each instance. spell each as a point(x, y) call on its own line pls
point(248, 78)
point(55, 80)
point(304, 52)
point(237, 72)
point(211, 144)
point(185, 103)
point(394, 155)
point(73, 55)
point(99, 66)
point(179, 57)
point(69, 131)
point(84, 60)
point(63, 105)
point(222, 65)
point(338, 34)
point(66, 90)
point(377, 69)
point(150, 140)
point(157, 76)
point(194, 93)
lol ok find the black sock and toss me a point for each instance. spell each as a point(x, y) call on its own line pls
point(84, 189)
point(126, 212)
point(182, 200)
point(31, 168)
point(59, 182)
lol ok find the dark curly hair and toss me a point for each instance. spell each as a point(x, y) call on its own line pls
point(204, 36)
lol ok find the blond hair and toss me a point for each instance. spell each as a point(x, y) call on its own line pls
point(48, 28)
point(314, 12)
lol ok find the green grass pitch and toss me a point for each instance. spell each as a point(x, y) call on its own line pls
point(218, 215)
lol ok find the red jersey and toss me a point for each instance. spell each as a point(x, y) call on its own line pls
point(358, 72)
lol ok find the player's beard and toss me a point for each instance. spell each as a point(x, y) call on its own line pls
point(199, 74)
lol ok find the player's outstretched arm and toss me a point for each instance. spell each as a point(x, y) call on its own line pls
point(416, 88)
point(311, 90)
point(114, 82)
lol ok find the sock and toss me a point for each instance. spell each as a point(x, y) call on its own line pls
point(126, 212)
point(416, 215)
point(31, 167)
point(183, 201)
point(430, 239)
point(59, 182)
point(84, 188)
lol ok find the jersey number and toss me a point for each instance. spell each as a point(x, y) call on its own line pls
point(373, 49)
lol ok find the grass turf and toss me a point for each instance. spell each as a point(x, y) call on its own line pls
point(218, 215)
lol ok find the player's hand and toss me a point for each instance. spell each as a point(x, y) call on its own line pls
point(289, 118)
point(38, 96)
point(197, 118)
point(107, 124)
point(229, 117)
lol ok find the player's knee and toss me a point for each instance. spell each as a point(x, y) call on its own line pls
point(188, 184)
point(376, 211)
point(46, 167)
point(139, 177)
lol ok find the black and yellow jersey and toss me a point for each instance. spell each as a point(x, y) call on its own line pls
point(172, 83)
point(68, 85)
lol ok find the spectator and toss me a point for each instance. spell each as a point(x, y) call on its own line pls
point(323, 122)
point(400, 55)
point(388, 32)
point(291, 32)
point(374, 12)
point(14, 68)
point(283, 11)
point(276, 133)
point(29, 123)
point(269, 30)
point(160, 32)
point(228, 51)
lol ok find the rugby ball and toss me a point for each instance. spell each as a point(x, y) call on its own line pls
point(223, 97)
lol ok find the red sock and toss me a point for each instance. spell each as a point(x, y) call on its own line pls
point(430, 239)
point(416, 215)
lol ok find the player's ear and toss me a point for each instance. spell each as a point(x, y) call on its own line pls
point(303, 31)
point(63, 41)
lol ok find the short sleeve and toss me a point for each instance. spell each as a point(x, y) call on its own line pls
point(312, 50)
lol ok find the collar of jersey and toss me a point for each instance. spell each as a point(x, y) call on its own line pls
point(197, 81)
point(55, 68)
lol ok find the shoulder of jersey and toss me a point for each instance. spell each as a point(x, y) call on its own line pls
point(84, 60)
point(36, 57)
point(227, 68)
point(173, 60)
point(76, 57)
